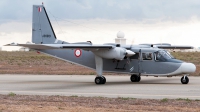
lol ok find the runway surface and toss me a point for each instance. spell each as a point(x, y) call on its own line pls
point(116, 86)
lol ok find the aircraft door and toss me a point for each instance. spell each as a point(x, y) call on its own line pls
point(147, 63)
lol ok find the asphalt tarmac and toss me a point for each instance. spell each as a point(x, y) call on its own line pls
point(116, 86)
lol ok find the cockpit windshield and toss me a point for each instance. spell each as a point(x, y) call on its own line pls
point(169, 54)
point(162, 55)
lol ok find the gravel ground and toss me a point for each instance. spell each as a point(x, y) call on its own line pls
point(26, 103)
point(33, 63)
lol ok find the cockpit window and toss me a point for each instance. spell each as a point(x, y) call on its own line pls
point(170, 54)
point(162, 55)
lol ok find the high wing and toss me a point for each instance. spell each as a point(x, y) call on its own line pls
point(175, 47)
point(104, 51)
point(64, 46)
point(168, 46)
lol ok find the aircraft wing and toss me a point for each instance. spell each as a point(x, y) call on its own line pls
point(64, 46)
point(175, 47)
point(168, 46)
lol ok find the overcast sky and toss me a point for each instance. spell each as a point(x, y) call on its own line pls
point(174, 10)
point(142, 21)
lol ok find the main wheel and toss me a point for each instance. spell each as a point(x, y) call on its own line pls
point(134, 78)
point(184, 80)
point(104, 80)
point(100, 80)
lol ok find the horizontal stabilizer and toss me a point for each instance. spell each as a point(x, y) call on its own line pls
point(34, 46)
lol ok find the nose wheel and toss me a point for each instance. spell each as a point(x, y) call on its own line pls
point(135, 78)
point(100, 80)
point(185, 80)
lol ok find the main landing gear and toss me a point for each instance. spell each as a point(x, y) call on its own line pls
point(100, 80)
point(135, 78)
point(184, 79)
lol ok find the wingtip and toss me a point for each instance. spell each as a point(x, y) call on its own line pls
point(11, 44)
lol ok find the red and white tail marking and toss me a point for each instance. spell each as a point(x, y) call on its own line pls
point(39, 9)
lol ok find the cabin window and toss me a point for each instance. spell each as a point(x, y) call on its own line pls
point(147, 56)
point(136, 56)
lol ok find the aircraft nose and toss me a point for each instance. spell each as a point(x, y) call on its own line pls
point(187, 68)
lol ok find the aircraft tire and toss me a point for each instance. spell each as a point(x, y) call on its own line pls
point(184, 81)
point(139, 78)
point(104, 80)
point(134, 78)
point(100, 80)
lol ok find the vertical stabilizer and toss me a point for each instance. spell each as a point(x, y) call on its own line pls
point(42, 31)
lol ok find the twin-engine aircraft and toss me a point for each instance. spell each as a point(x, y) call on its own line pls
point(136, 60)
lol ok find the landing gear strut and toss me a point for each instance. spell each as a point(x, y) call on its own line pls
point(100, 80)
point(135, 78)
point(184, 79)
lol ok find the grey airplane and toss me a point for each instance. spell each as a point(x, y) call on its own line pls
point(135, 60)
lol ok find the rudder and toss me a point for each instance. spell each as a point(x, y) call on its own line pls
point(42, 30)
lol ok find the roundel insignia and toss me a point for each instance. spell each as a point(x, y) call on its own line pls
point(77, 52)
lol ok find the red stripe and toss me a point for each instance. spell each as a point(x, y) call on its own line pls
point(39, 9)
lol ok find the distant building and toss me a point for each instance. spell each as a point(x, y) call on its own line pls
point(11, 48)
point(24, 49)
point(120, 38)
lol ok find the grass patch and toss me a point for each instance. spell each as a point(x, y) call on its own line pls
point(11, 94)
point(185, 99)
point(188, 100)
point(126, 98)
point(74, 96)
point(100, 97)
point(179, 99)
point(92, 73)
point(164, 100)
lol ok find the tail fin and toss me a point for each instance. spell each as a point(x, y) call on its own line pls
point(42, 31)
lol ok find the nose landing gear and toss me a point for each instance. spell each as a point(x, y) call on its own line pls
point(135, 78)
point(184, 79)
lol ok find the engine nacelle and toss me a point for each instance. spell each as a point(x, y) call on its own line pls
point(117, 53)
